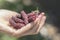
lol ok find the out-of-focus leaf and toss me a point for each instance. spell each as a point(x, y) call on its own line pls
point(6, 37)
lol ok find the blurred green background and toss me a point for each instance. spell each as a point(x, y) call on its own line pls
point(18, 5)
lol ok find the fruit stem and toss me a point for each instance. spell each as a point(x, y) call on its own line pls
point(37, 10)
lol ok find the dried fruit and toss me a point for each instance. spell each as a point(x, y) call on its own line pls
point(32, 18)
point(19, 25)
point(22, 19)
point(18, 16)
point(12, 22)
point(30, 14)
point(25, 17)
point(17, 20)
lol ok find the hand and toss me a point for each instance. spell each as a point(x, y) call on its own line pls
point(29, 29)
point(5, 15)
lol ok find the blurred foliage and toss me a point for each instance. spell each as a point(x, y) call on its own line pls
point(32, 37)
point(18, 5)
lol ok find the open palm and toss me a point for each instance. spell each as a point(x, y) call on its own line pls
point(29, 29)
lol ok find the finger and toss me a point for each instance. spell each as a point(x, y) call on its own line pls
point(41, 24)
point(38, 21)
point(38, 18)
point(23, 29)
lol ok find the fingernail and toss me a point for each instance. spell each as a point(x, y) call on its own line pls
point(42, 13)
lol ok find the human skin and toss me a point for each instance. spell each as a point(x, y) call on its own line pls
point(30, 29)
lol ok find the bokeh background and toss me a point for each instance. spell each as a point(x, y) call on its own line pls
point(47, 6)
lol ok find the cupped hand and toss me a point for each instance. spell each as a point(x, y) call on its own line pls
point(30, 29)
